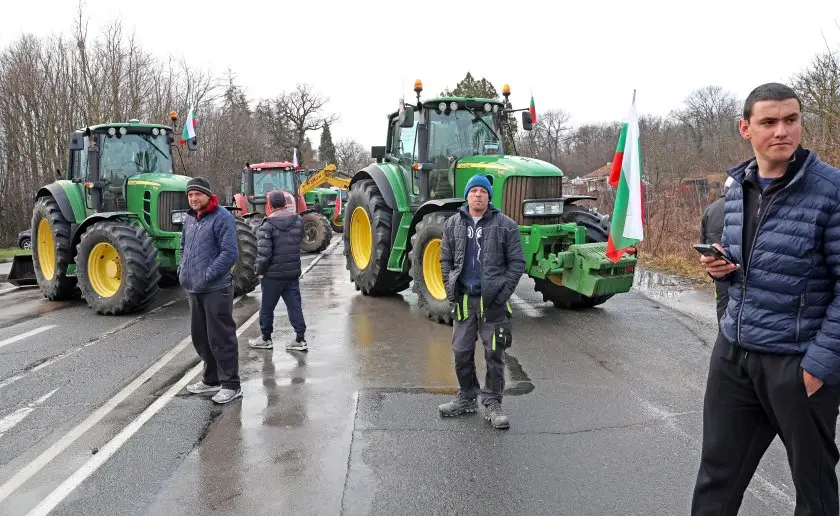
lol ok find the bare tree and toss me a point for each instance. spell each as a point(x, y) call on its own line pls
point(303, 110)
point(351, 156)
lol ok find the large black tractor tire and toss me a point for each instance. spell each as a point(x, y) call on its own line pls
point(254, 222)
point(337, 225)
point(245, 278)
point(429, 284)
point(597, 230)
point(117, 268)
point(368, 246)
point(51, 251)
point(316, 232)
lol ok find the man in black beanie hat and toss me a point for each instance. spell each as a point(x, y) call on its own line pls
point(209, 251)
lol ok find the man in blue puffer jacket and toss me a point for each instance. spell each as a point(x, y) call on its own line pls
point(775, 368)
point(209, 251)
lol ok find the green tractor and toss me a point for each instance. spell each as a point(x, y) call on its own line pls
point(110, 230)
point(397, 207)
point(324, 201)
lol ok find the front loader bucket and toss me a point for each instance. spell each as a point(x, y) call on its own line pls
point(23, 271)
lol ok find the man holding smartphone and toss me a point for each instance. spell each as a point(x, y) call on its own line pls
point(775, 366)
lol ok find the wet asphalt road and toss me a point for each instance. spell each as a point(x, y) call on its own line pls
point(605, 409)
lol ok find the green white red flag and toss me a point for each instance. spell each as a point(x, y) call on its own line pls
point(189, 127)
point(533, 110)
point(627, 227)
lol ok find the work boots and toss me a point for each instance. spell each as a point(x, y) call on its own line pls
point(460, 405)
point(493, 413)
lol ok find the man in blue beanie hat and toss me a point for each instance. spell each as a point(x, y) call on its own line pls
point(482, 262)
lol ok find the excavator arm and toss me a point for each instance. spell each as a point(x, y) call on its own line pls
point(325, 175)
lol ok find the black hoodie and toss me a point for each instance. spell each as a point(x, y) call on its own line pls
point(278, 247)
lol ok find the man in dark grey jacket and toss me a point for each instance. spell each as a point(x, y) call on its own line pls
point(209, 251)
point(278, 265)
point(481, 262)
point(775, 368)
point(711, 232)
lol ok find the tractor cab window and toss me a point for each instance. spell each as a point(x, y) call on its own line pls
point(78, 163)
point(132, 154)
point(267, 181)
point(403, 147)
point(455, 134)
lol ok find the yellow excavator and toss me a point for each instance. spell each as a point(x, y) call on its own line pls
point(326, 200)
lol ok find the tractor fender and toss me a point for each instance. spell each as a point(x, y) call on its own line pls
point(381, 180)
point(571, 199)
point(55, 191)
point(451, 204)
point(97, 217)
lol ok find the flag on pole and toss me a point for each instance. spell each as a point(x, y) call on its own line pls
point(337, 206)
point(533, 110)
point(189, 127)
point(627, 227)
point(295, 160)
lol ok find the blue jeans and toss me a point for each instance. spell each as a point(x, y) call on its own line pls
point(272, 291)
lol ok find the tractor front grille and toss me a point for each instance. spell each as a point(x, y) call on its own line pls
point(519, 188)
point(168, 201)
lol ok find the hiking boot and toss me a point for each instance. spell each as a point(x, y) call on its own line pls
point(259, 343)
point(297, 345)
point(460, 405)
point(201, 388)
point(493, 413)
point(227, 395)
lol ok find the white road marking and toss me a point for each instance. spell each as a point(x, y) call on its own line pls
point(22, 336)
point(66, 487)
point(525, 306)
point(10, 421)
point(7, 290)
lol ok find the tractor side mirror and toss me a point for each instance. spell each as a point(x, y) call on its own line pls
point(77, 142)
point(407, 117)
point(378, 152)
point(527, 123)
point(192, 145)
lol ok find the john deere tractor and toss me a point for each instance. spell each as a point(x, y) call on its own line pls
point(110, 229)
point(398, 205)
point(259, 179)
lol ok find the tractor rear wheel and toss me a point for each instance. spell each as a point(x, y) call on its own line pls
point(367, 241)
point(51, 251)
point(597, 230)
point(429, 283)
point(316, 232)
point(337, 225)
point(245, 278)
point(117, 267)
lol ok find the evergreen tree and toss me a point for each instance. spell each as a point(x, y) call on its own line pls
point(326, 150)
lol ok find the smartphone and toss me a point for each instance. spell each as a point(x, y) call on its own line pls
point(714, 252)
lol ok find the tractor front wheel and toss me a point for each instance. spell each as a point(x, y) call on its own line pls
point(597, 230)
point(367, 241)
point(51, 251)
point(316, 232)
point(429, 283)
point(337, 225)
point(117, 267)
point(245, 278)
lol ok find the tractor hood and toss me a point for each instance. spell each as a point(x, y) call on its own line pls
point(160, 182)
point(509, 165)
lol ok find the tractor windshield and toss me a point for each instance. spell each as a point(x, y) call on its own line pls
point(265, 182)
point(461, 133)
point(132, 154)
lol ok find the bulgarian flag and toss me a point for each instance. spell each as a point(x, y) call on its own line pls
point(533, 110)
point(295, 160)
point(189, 127)
point(626, 177)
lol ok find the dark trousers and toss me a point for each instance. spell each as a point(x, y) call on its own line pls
point(214, 336)
point(465, 334)
point(272, 291)
point(751, 398)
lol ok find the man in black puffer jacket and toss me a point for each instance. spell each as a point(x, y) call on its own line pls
point(278, 265)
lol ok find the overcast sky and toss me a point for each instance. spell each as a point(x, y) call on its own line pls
point(585, 58)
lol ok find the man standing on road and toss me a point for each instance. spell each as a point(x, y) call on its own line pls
point(278, 265)
point(209, 251)
point(711, 232)
point(776, 364)
point(482, 262)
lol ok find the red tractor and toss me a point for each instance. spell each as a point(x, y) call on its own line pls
point(257, 180)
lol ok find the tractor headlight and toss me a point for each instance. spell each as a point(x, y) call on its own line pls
point(538, 208)
point(178, 217)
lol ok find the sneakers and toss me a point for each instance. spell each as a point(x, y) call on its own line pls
point(460, 405)
point(201, 388)
point(226, 396)
point(259, 343)
point(493, 413)
point(297, 346)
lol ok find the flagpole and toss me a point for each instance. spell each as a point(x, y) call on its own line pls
point(634, 97)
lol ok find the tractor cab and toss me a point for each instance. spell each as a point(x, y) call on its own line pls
point(257, 180)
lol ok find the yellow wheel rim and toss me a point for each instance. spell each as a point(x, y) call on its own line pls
point(104, 269)
point(46, 249)
point(361, 238)
point(432, 274)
